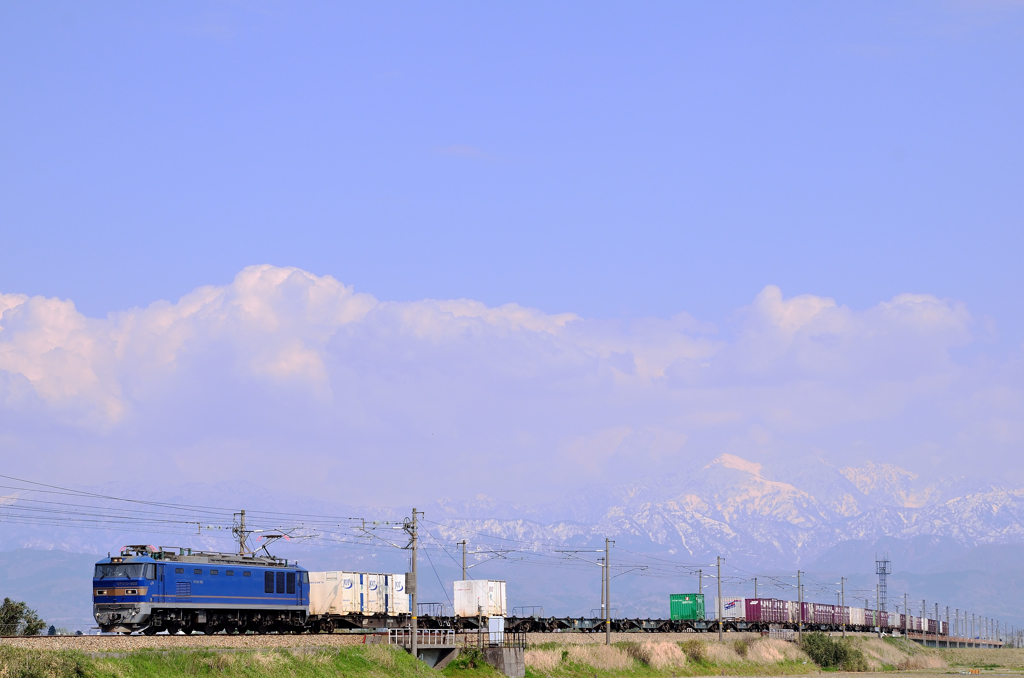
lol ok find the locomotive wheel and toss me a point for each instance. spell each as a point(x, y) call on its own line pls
point(150, 630)
point(187, 630)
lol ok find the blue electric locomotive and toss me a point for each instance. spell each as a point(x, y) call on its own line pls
point(150, 590)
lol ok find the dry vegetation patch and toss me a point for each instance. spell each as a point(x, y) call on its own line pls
point(543, 661)
point(601, 657)
point(768, 651)
point(658, 655)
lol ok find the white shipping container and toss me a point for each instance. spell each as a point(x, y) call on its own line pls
point(374, 593)
point(732, 607)
point(857, 617)
point(794, 612)
point(402, 601)
point(342, 593)
point(473, 597)
point(325, 593)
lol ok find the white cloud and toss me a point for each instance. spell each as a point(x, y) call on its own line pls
point(461, 398)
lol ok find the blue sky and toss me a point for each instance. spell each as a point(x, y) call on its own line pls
point(613, 161)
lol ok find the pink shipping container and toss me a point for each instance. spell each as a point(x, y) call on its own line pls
point(768, 610)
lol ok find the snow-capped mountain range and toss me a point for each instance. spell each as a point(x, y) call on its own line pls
point(789, 515)
point(804, 513)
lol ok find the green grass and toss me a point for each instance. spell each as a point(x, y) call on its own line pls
point(640, 670)
point(351, 662)
point(697, 664)
point(904, 645)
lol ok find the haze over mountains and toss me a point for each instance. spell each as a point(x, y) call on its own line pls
point(805, 513)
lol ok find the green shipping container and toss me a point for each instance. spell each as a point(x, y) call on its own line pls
point(687, 606)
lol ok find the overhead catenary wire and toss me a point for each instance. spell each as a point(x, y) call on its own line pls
point(31, 503)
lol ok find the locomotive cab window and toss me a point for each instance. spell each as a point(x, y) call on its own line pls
point(149, 572)
point(119, 571)
point(305, 577)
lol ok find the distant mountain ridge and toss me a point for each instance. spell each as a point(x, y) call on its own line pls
point(785, 515)
point(962, 539)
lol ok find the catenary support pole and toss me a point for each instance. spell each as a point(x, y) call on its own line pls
point(842, 607)
point(608, 591)
point(241, 534)
point(878, 612)
point(800, 608)
point(463, 544)
point(413, 640)
point(924, 624)
point(755, 588)
point(719, 610)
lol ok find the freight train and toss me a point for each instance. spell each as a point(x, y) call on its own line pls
point(149, 590)
point(687, 614)
point(762, 613)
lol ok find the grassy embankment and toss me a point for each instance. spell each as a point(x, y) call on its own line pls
point(1002, 661)
point(647, 659)
point(361, 661)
